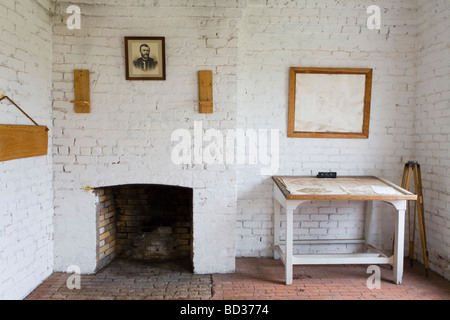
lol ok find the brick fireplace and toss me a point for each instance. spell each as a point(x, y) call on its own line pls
point(130, 135)
point(144, 222)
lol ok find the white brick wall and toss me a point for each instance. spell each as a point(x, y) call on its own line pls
point(274, 37)
point(26, 193)
point(250, 46)
point(127, 136)
point(433, 128)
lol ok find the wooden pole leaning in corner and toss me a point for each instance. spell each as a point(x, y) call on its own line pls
point(413, 167)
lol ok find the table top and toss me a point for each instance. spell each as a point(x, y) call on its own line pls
point(340, 188)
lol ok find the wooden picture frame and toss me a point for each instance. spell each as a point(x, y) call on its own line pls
point(329, 102)
point(145, 58)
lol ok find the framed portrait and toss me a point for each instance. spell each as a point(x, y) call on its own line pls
point(329, 102)
point(145, 58)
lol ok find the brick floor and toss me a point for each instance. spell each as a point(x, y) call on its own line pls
point(129, 280)
point(255, 279)
point(264, 279)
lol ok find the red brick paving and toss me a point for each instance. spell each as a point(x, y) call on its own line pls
point(254, 279)
point(264, 279)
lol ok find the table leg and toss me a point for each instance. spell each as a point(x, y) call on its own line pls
point(367, 222)
point(289, 245)
point(276, 228)
point(398, 247)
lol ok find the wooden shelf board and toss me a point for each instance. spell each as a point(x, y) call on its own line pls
point(21, 141)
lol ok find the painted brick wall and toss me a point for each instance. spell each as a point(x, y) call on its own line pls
point(276, 35)
point(433, 129)
point(127, 136)
point(250, 46)
point(26, 193)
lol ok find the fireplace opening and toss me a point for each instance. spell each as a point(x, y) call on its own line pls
point(144, 222)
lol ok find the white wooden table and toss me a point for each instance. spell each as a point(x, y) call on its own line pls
point(292, 191)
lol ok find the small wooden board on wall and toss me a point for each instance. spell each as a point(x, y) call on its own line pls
point(21, 141)
point(82, 92)
point(205, 91)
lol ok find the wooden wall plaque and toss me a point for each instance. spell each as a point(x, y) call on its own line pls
point(205, 91)
point(82, 92)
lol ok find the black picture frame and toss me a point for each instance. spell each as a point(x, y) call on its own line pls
point(145, 58)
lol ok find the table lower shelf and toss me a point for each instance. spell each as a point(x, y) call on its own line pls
point(337, 258)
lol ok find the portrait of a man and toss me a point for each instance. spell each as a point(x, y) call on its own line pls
point(145, 58)
point(145, 62)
